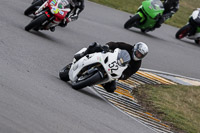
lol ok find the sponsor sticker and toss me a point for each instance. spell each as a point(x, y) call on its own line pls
point(52, 3)
point(61, 12)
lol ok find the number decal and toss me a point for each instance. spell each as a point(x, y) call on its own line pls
point(113, 66)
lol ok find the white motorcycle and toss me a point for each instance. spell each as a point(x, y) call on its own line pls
point(96, 68)
point(194, 21)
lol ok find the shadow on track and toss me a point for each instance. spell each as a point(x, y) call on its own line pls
point(190, 42)
point(84, 91)
point(47, 37)
point(90, 94)
point(145, 34)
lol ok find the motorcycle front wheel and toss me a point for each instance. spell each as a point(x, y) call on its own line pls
point(132, 21)
point(181, 33)
point(36, 22)
point(31, 9)
point(92, 80)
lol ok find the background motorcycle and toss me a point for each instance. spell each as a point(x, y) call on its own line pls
point(185, 31)
point(33, 7)
point(97, 68)
point(147, 15)
point(50, 14)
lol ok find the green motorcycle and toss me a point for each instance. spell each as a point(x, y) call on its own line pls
point(147, 16)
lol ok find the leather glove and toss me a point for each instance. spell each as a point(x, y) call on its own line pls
point(105, 48)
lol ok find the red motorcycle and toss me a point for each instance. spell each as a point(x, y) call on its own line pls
point(49, 15)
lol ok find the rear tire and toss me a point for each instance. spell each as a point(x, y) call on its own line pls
point(31, 9)
point(36, 22)
point(132, 21)
point(94, 79)
point(181, 33)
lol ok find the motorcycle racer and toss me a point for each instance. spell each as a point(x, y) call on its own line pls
point(76, 6)
point(194, 24)
point(171, 7)
point(192, 29)
point(137, 52)
point(146, 16)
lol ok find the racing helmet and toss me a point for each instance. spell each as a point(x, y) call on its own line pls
point(140, 50)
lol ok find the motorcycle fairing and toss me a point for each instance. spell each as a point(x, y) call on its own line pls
point(149, 11)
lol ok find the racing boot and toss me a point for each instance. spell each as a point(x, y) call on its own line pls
point(110, 86)
point(63, 23)
point(91, 49)
point(52, 29)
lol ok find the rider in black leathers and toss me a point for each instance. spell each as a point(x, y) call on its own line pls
point(77, 6)
point(170, 7)
point(133, 50)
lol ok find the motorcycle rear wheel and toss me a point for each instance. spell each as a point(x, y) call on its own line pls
point(31, 9)
point(132, 21)
point(93, 79)
point(36, 22)
point(181, 33)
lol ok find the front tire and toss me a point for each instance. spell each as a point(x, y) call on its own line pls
point(132, 21)
point(181, 33)
point(31, 9)
point(36, 22)
point(94, 79)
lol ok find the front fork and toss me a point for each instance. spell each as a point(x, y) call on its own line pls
point(141, 16)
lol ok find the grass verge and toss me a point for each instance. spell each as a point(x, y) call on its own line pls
point(176, 105)
point(179, 19)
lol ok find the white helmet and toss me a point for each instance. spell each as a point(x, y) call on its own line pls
point(140, 50)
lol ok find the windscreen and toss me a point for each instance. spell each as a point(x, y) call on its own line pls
point(157, 4)
point(63, 4)
point(123, 57)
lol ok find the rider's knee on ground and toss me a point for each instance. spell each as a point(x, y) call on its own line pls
point(110, 87)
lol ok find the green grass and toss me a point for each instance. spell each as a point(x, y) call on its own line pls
point(177, 105)
point(131, 6)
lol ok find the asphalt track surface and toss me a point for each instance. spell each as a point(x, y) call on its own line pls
point(34, 100)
